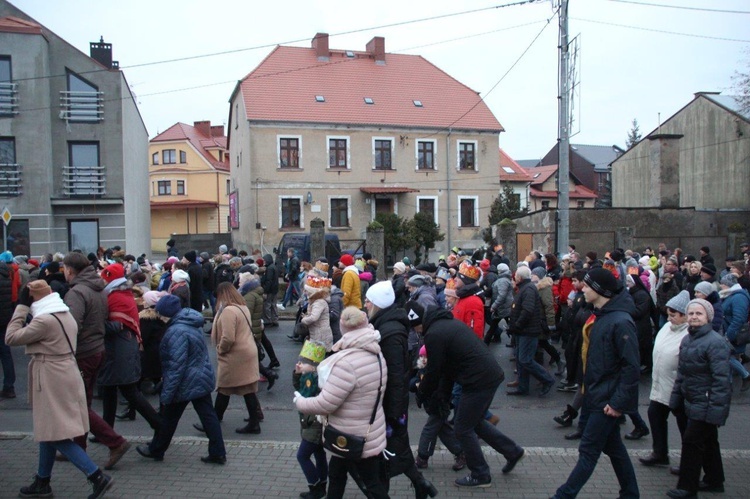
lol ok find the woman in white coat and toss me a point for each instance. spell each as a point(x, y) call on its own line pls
point(55, 386)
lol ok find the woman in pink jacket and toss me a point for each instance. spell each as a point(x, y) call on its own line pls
point(349, 383)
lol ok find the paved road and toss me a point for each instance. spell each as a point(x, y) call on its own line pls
point(265, 465)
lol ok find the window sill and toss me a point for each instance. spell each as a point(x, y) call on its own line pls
point(425, 170)
point(383, 169)
point(340, 229)
point(466, 171)
point(290, 229)
point(468, 226)
point(289, 169)
point(338, 169)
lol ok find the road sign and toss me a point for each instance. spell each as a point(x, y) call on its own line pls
point(7, 216)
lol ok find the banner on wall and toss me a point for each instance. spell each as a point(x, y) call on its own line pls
point(234, 211)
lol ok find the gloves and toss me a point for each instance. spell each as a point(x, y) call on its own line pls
point(25, 297)
point(297, 395)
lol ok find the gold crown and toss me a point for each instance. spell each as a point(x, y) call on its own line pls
point(470, 271)
point(318, 282)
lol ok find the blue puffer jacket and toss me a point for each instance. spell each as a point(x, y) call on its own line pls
point(735, 304)
point(187, 370)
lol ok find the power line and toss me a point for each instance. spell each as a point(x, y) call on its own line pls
point(692, 35)
point(702, 9)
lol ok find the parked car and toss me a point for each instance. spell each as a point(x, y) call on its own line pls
point(300, 241)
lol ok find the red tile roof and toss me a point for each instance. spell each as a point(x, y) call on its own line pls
point(201, 142)
point(11, 24)
point(519, 173)
point(284, 87)
point(387, 190)
point(544, 173)
point(576, 192)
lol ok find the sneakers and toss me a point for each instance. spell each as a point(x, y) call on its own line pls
point(470, 481)
point(568, 388)
point(38, 488)
point(421, 462)
point(494, 419)
point(459, 462)
point(637, 433)
point(546, 389)
point(654, 460)
point(281, 307)
point(100, 484)
point(513, 462)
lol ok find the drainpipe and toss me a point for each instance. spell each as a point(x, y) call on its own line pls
point(448, 186)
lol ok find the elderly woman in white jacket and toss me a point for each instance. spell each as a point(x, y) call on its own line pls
point(349, 382)
point(666, 357)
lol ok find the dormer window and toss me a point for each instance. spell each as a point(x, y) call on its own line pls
point(417, 103)
point(369, 101)
point(320, 98)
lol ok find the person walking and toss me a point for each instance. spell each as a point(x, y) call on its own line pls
point(6, 312)
point(56, 389)
point(270, 283)
point(252, 293)
point(610, 381)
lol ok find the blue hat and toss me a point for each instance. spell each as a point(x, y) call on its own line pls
point(168, 306)
point(6, 256)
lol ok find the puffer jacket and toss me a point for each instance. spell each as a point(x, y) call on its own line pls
point(187, 373)
point(704, 384)
point(526, 315)
point(393, 326)
point(666, 360)
point(6, 300)
point(335, 307)
point(88, 306)
point(469, 308)
point(643, 308)
point(351, 389)
point(254, 302)
point(502, 295)
point(317, 319)
point(613, 364)
point(735, 305)
point(350, 285)
point(544, 287)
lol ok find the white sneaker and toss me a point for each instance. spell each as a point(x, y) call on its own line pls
point(281, 307)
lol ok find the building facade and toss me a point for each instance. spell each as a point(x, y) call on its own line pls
point(188, 181)
point(344, 135)
point(543, 191)
point(73, 146)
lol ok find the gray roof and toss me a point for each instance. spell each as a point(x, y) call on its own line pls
point(528, 163)
point(599, 156)
point(730, 102)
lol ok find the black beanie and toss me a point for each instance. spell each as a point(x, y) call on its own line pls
point(415, 313)
point(191, 255)
point(602, 281)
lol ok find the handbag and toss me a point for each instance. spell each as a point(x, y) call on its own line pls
point(743, 335)
point(351, 446)
point(261, 351)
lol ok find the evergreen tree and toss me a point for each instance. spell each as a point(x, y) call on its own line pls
point(507, 204)
point(395, 234)
point(634, 135)
point(424, 233)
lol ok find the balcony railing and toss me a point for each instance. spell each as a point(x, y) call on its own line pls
point(84, 181)
point(85, 107)
point(10, 180)
point(8, 98)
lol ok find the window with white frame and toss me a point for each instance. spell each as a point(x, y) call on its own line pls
point(289, 151)
point(426, 154)
point(290, 212)
point(467, 155)
point(339, 211)
point(338, 152)
point(164, 187)
point(382, 149)
point(428, 204)
point(468, 211)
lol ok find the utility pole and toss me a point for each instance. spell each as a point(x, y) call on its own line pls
point(563, 142)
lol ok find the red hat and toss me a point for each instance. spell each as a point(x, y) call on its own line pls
point(347, 259)
point(112, 272)
point(484, 265)
point(32, 261)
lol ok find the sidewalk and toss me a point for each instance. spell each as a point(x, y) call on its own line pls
point(263, 469)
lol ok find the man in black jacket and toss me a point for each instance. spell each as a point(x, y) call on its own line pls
point(6, 312)
point(195, 272)
point(525, 325)
point(611, 372)
point(457, 355)
point(270, 283)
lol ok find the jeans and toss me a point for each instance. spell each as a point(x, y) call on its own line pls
point(171, 414)
point(658, 416)
point(270, 314)
point(89, 367)
point(368, 471)
point(470, 426)
point(525, 351)
point(700, 449)
point(210, 298)
point(136, 401)
point(67, 448)
point(737, 366)
point(288, 296)
point(437, 427)
point(6, 357)
point(601, 434)
point(317, 472)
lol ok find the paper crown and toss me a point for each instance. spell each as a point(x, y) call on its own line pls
point(450, 287)
point(317, 282)
point(633, 271)
point(320, 269)
point(468, 270)
point(312, 352)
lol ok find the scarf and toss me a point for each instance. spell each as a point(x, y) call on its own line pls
point(122, 308)
point(50, 304)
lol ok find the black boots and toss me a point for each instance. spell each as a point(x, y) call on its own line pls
point(566, 418)
point(317, 491)
point(100, 484)
point(250, 428)
point(424, 488)
point(39, 488)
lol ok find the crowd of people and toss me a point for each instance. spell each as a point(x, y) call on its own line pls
point(132, 327)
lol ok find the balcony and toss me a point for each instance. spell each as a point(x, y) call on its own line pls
point(8, 98)
point(84, 181)
point(82, 107)
point(10, 180)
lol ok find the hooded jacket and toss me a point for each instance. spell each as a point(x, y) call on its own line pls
point(735, 307)
point(88, 306)
point(526, 313)
point(270, 278)
point(351, 287)
point(643, 309)
point(502, 294)
point(469, 308)
point(544, 287)
point(254, 301)
point(613, 364)
point(393, 325)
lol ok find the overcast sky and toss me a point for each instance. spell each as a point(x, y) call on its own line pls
point(629, 65)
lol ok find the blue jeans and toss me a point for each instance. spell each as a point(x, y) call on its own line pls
point(208, 296)
point(601, 434)
point(288, 297)
point(67, 448)
point(734, 363)
point(525, 350)
point(9, 370)
point(171, 414)
point(317, 472)
point(456, 398)
point(470, 426)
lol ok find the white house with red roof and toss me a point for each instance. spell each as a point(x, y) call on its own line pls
point(188, 181)
point(543, 190)
point(517, 177)
point(343, 135)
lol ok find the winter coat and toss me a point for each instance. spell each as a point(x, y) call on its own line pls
point(335, 306)
point(689, 283)
point(665, 291)
point(735, 305)
point(502, 295)
point(58, 283)
point(612, 368)
point(254, 303)
point(182, 291)
point(55, 386)
point(122, 361)
point(187, 373)
point(704, 384)
point(6, 300)
point(318, 320)
point(351, 389)
point(236, 351)
point(351, 287)
point(207, 273)
point(311, 430)
point(424, 295)
point(270, 278)
point(642, 313)
point(153, 327)
point(456, 355)
point(398, 282)
point(393, 325)
point(88, 306)
point(488, 282)
point(666, 359)
point(195, 271)
point(469, 308)
point(544, 287)
point(526, 314)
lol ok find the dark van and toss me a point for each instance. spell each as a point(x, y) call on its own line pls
point(300, 241)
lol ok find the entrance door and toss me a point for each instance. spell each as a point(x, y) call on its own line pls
point(383, 205)
point(524, 245)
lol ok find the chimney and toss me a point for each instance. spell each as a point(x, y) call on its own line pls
point(102, 53)
point(376, 48)
point(204, 127)
point(320, 44)
point(217, 131)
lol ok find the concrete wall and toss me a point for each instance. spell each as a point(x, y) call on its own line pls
point(602, 230)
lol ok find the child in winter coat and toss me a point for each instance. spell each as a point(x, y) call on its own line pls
point(305, 380)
